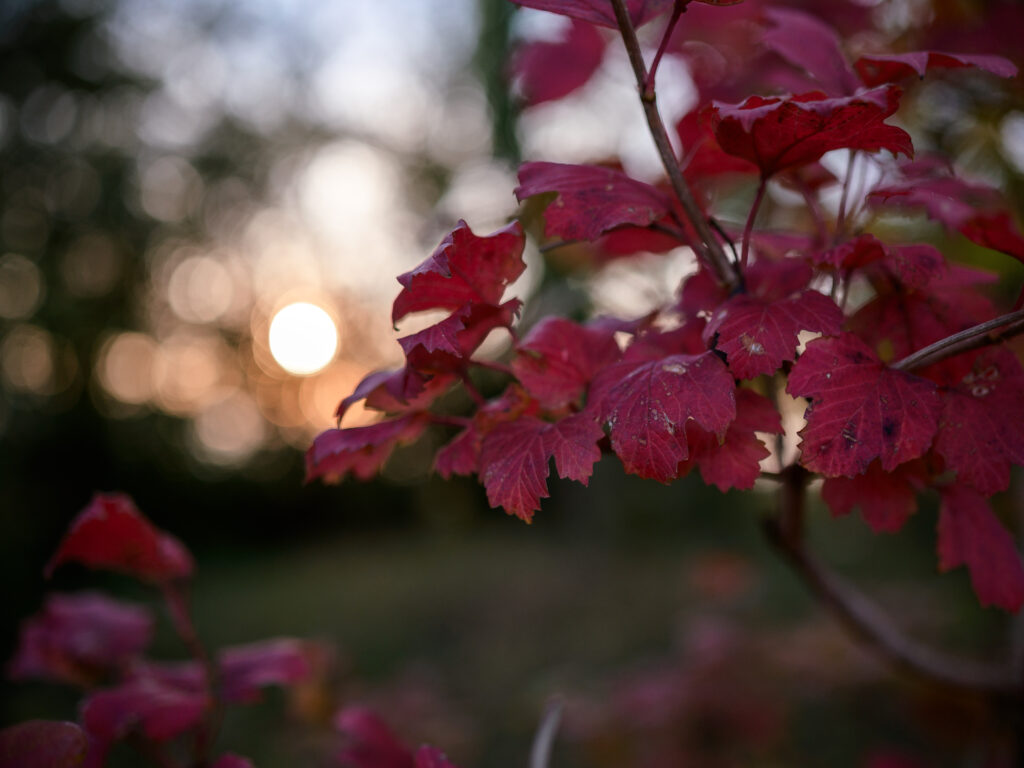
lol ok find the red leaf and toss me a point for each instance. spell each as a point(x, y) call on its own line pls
point(981, 431)
point(758, 334)
point(736, 461)
point(861, 410)
point(809, 43)
point(245, 669)
point(558, 358)
point(360, 450)
point(591, 199)
point(461, 456)
point(647, 405)
point(145, 706)
point(78, 638)
point(886, 499)
point(875, 69)
point(704, 158)
point(976, 211)
point(112, 534)
point(373, 744)
point(447, 346)
point(546, 71)
point(432, 757)
point(514, 459)
point(600, 11)
point(397, 391)
point(42, 744)
point(465, 269)
point(969, 534)
point(779, 133)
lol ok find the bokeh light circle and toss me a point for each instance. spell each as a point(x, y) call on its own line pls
point(303, 338)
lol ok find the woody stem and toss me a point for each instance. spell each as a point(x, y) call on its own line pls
point(709, 248)
point(981, 335)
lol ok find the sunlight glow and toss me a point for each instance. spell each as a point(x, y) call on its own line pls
point(303, 338)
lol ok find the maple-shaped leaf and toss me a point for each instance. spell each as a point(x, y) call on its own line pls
point(758, 330)
point(976, 211)
point(860, 410)
point(447, 346)
point(145, 706)
point(981, 430)
point(545, 71)
point(591, 200)
point(875, 69)
point(112, 534)
point(783, 132)
point(464, 269)
point(600, 12)
point(246, 669)
point(914, 265)
point(647, 404)
point(557, 359)
point(372, 744)
point(42, 744)
point(704, 158)
point(886, 499)
point(734, 462)
point(971, 535)
point(406, 389)
point(461, 456)
point(361, 451)
point(514, 459)
point(78, 638)
point(809, 43)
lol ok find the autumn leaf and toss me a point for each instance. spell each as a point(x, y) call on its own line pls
point(361, 451)
point(446, 347)
point(42, 744)
point(464, 269)
point(112, 534)
point(812, 45)
point(875, 69)
point(406, 389)
point(546, 71)
point(784, 132)
point(600, 12)
point(971, 535)
point(590, 199)
point(981, 429)
point(860, 409)
point(886, 499)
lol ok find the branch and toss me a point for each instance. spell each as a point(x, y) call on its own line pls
point(862, 617)
point(710, 248)
point(977, 336)
point(748, 230)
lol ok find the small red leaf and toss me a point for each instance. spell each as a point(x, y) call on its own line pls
point(372, 743)
point(981, 430)
point(245, 669)
point(600, 12)
point(971, 535)
point(145, 706)
point(80, 637)
point(591, 200)
point(646, 406)
point(977, 211)
point(465, 269)
point(446, 346)
point(397, 391)
point(875, 69)
point(809, 43)
point(779, 133)
point(42, 744)
point(886, 499)
point(546, 71)
point(360, 450)
point(860, 410)
point(514, 459)
point(736, 461)
point(112, 534)
point(704, 157)
point(558, 358)
point(758, 334)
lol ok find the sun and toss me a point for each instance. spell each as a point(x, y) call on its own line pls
point(303, 338)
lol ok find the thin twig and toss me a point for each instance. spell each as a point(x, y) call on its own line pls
point(544, 740)
point(862, 617)
point(748, 230)
point(725, 236)
point(709, 247)
point(677, 10)
point(972, 338)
